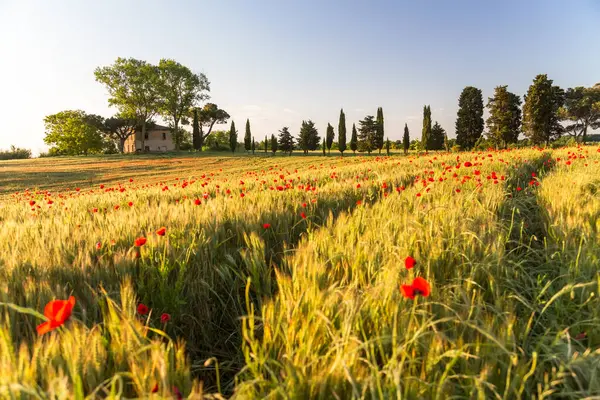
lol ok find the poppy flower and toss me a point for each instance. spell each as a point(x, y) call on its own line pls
point(409, 262)
point(142, 309)
point(155, 388)
point(581, 336)
point(303, 215)
point(32, 203)
point(161, 231)
point(57, 312)
point(266, 225)
point(98, 245)
point(164, 318)
point(139, 242)
point(197, 202)
point(468, 164)
point(130, 203)
point(419, 287)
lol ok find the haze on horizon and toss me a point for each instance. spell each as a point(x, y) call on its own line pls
point(279, 63)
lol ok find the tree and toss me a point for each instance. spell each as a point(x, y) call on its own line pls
point(406, 139)
point(354, 139)
point(286, 141)
point(208, 116)
point(248, 137)
point(266, 144)
point(273, 144)
point(367, 132)
point(426, 131)
point(582, 107)
point(329, 136)
point(504, 122)
point(179, 90)
point(324, 146)
point(232, 137)
point(541, 120)
point(436, 139)
point(120, 129)
point(73, 132)
point(469, 122)
point(309, 136)
point(379, 135)
point(388, 145)
point(196, 131)
point(342, 132)
point(133, 86)
point(253, 145)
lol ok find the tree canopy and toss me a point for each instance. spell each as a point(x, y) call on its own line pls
point(469, 121)
point(504, 122)
point(73, 132)
point(286, 141)
point(582, 110)
point(342, 132)
point(308, 139)
point(436, 139)
point(426, 131)
point(367, 131)
point(329, 136)
point(541, 120)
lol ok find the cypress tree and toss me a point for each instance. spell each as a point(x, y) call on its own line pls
point(379, 135)
point(541, 121)
point(329, 135)
point(253, 145)
point(436, 140)
point(273, 144)
point(406, 139)
point(426, 132)
point(387, 146)
point(469, 121)
point(504, 122)
point(196, 131)
point(309, 136)
point(266, 144)
point(354, 139)
point(324, 147)
point(342, 132)
point(248, 137)
point(232, 137)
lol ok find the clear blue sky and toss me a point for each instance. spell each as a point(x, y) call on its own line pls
point(279, 62)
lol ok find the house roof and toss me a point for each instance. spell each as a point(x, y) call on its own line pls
point(159, 128)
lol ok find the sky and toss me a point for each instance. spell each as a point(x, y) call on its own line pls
point(279, 62)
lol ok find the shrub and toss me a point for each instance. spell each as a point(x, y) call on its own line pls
point(15, 153)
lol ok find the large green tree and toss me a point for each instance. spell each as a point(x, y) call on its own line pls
point(232, 137)
point(342, 132)
point(504, 122)
point(426, 131)
point(436, 139)
point(541, 119)
point(120, 128)
point(309, 136)
point(208, 117)
point(354, 139)
point(469, 121)
point(134, 88)
point(406, 139)
point(582, 109)
point(73, 132)
point(196, 144)
point(248, 137)
point(179, 90)
point(286, 141)
point(329, 137)
point(367, 131)
point(379, 135)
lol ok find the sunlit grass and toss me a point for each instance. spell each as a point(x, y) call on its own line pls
point(309, 307)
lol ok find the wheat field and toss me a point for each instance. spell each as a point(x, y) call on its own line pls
point(281, 277)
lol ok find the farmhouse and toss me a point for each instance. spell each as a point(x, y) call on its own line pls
point(158, 138)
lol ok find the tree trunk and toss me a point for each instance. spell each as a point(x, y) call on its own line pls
point(176, 134)
point(143, 138)
point(122, 145)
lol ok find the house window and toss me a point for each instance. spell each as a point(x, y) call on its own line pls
point(164, 136)
point(146, 136)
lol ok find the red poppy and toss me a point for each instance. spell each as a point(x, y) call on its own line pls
point(197, 202)
point(130, 203)
point(32, 203)
point(164, 318)
point(57, 312)
point(581, 336)
point(303, 215)
point(139, 242)
point(468, 164)
point(419, 287)
point(98, 245)
point(266, 225)
point(409, 262)
point(142, 309)
point(155, 388)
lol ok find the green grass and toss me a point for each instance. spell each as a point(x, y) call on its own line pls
point(310, 307)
